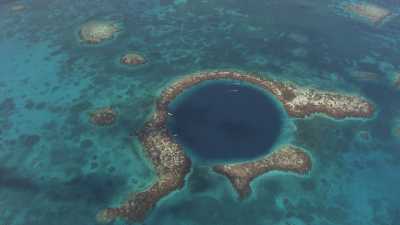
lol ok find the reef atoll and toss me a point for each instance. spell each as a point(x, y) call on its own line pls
point(288, 158)
point(169, 161)
point(18, 7)
point(299, 102)
point(133, 58)
point(95, 32)
point(172, 165)
point(371, 13)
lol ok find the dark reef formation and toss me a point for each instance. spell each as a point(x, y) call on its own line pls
point(172, 165)
point(103, 116)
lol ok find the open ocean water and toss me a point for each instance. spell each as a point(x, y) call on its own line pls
point(56, 168)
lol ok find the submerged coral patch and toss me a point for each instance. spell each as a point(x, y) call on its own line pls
point(396, 128)
point(95, 32)
point(397, 80)
point(18, 7)
point(364, 75)
point(396, 131)
point(368, 12)
point(133, 58)
point(103, 116)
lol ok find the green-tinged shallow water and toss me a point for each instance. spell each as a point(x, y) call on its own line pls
point(56, 168)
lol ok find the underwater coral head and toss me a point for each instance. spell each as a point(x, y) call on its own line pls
point(103, 117)
point(95, 32)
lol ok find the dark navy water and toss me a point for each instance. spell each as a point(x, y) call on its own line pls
point(224, 120)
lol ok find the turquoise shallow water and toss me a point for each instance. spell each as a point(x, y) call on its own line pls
point(57, 168)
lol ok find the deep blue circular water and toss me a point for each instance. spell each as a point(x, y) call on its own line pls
point(224, 120)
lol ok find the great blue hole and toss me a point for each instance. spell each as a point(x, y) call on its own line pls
point(225, 120)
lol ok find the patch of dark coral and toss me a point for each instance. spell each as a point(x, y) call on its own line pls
point(10, 179)
point(29, 104)
point(29, 140)
point(7, 107)
point(86, 143)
